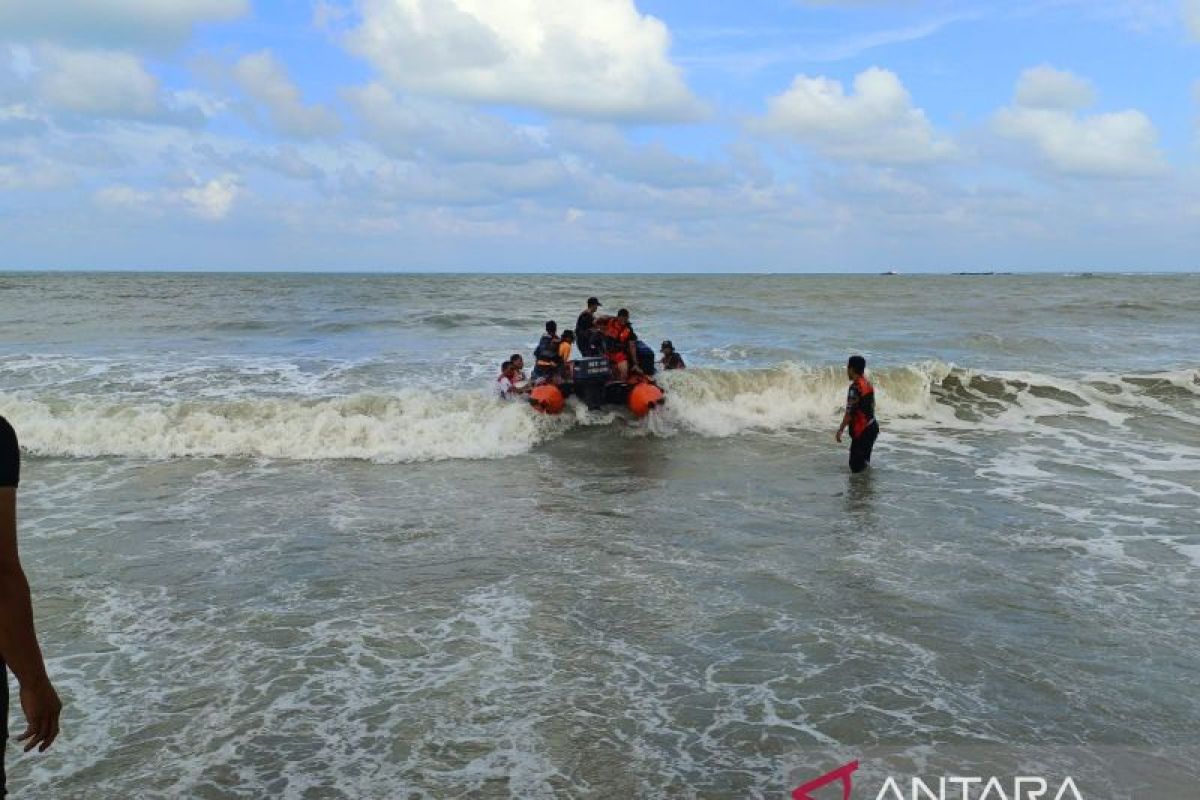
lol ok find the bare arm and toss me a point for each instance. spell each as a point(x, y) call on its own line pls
point(851, 403)
point(18, 640)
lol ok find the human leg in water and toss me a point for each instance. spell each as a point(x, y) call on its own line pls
point(860, 448)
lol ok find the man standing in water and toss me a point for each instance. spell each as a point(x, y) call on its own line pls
point(860, 415)
point(18, 640)
point(670, 357)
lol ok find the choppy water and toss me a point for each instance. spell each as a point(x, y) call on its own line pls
point(284, 544)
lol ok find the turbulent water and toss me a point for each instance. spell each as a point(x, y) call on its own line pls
point(284, 543)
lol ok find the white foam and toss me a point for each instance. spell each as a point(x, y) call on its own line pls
point(429, 422)
point(415, 425)
point(724, 403)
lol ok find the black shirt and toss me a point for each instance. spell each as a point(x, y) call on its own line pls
point(585, 338)
point(673, 361)
point(10, 455)
point(10, 476)
point(584, 324)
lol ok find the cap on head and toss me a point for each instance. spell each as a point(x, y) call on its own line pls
point(594, 302)
point(666, 345)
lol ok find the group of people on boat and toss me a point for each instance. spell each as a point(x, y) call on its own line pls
point(595, 335)
point(626, 378)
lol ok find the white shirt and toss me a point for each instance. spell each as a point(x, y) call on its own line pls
point(504, 387)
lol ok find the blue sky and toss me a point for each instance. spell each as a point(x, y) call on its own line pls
point(600, 135)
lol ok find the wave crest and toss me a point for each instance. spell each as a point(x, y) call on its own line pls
point(415, 425)
point(422, 424)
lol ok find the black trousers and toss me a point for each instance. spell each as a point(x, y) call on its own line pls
point(860, 448)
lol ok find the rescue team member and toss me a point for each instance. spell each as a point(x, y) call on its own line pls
point(520, 379)
point(620, 345)
point(506, 384)
point(18, 640)
point(671, 359)
point(860, 415)
point(567, 367)
point(545, 355)
point(585, 333)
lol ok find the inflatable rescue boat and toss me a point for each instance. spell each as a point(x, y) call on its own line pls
point(592, 383)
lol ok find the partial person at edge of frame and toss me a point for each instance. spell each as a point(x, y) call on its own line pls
point(18, 640)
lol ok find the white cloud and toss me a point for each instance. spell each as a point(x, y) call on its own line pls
point(1047, 87)
point(587, 58)
point(263, 77)
point(876, 123)
point(112, 23)
point(288, 162)
point(211, 200)
point(1121, 144)
point(120, 196)
point(409, 128)
point(214, 199)
point(98, 83)
point(39, 177)
point(18, 119)
point(1191, 17)
point(607, 150)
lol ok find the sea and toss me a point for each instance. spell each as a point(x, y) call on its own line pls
point(284, 542)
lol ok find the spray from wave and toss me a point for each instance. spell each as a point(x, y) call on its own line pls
point(437, 424)
point(728, 402)
point(414, 425)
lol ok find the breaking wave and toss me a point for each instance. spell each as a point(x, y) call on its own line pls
point(429, 424)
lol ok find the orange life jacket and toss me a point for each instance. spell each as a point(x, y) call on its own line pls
point(863, 414)
point(616, 336)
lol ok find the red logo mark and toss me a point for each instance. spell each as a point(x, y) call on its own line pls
point(843, 772)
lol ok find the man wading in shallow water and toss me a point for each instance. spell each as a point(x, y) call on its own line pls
point(860, 415)
point(18, 641)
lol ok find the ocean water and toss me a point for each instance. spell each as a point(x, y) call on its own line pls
point(285, 544)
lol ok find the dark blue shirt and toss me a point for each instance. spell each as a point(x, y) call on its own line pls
point(10, 476)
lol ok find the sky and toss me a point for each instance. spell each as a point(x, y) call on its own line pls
point(600, 135)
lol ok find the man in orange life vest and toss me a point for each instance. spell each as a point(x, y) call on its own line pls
point(860, 415)
point(620, 345)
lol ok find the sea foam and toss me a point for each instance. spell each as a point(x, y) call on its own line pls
point(429, 424)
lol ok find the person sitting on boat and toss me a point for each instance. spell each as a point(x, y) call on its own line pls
point(545, 356)
point(670, 358)
point(564, 355)
point(620, 345)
